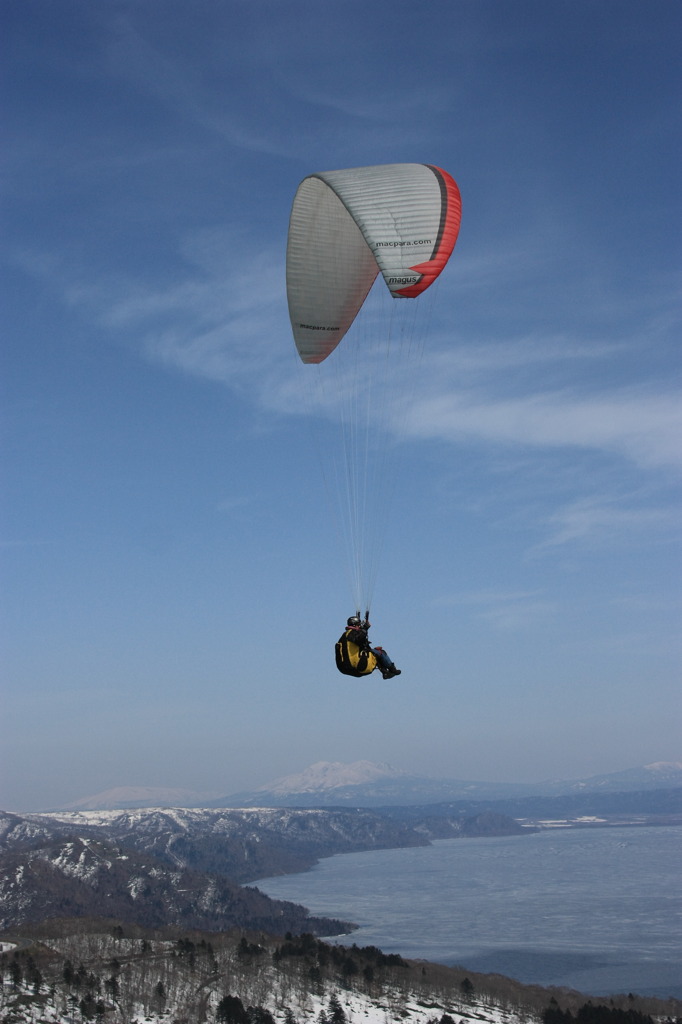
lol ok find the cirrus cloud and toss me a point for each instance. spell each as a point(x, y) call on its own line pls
point(642, 426)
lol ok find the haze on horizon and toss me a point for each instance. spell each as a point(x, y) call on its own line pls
point(172, 582)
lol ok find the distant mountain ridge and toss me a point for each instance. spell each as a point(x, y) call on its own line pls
point(132, 797)
point(365, 784)
point(369, 784)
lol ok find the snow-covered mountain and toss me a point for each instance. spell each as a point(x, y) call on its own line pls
point(325, 776)
point(365, 784)
point(322, 777)
point(369, 784)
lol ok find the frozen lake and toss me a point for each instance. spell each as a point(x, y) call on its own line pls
point(599, 910)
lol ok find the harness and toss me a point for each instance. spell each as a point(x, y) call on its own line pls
point(351, 659)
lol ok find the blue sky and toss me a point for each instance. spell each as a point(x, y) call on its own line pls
point(173, 584)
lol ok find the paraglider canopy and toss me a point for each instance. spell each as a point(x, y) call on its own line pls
point(400, 220)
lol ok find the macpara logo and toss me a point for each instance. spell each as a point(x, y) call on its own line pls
point(316, 327)
point(400, 245)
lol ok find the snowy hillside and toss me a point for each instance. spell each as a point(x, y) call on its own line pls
point(181, 866)
point(242, 844)
point(114, 976)
point(82, 878)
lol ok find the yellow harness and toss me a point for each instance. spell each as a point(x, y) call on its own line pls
point(352, 660)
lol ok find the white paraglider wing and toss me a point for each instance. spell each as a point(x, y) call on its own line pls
point(347, 226)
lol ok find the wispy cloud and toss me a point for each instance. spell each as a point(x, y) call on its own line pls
point(503, 610)
point(225, 318)
point(598, 520)
point(216, 315)
point(182, 88)
point(529, 352)
point(642, 426)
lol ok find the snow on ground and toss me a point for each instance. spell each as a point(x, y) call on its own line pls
point(358, 1008)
